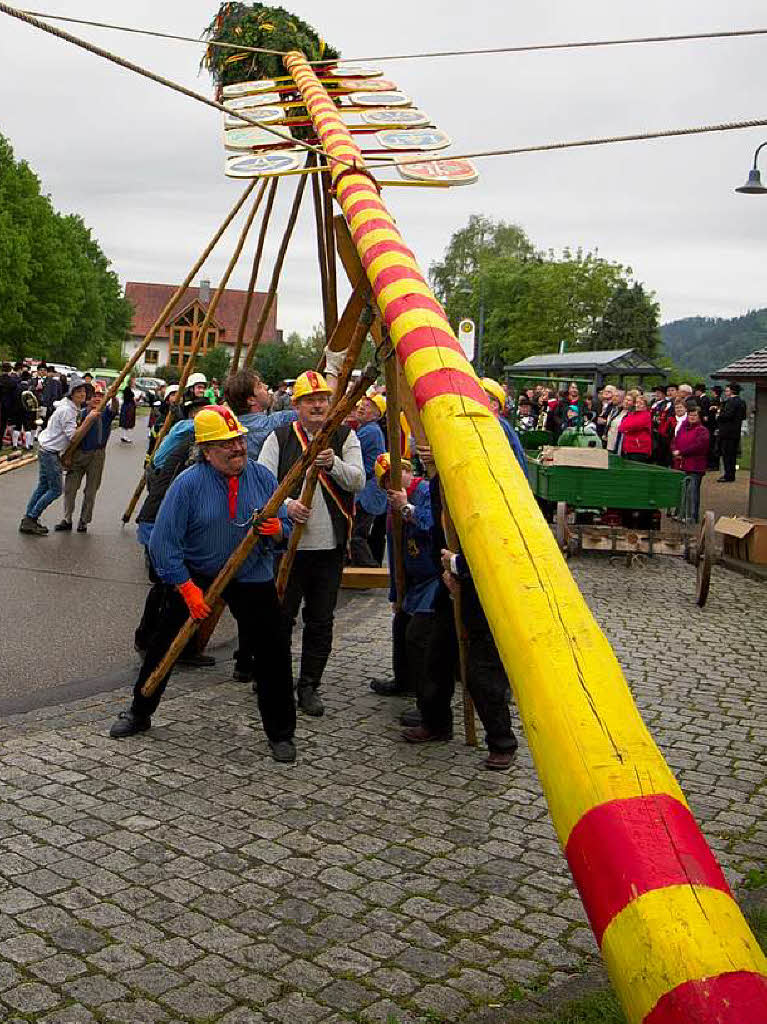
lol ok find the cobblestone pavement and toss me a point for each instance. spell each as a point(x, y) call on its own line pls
point(184, 876)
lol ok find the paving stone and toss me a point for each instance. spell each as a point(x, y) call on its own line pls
point(347, 995)
point(441, 1000)
point(297, 1008)
point(58, 968)
point(73, 1014)
point(116, 958)
point(197, 1001)
point(155, 979)
point(392, 981)
point(133, 1011)
point(25, 949)
point(77, 938)
point(31, 997)
point(344, 959)
point(254, 988)
point(94, 990)
point(304, 975)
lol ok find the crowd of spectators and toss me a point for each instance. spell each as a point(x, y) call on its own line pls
point(679, 426)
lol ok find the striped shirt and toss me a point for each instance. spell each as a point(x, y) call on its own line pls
point(195, 532)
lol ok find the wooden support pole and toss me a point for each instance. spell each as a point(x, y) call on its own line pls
point(238, 556)
point(354, 347)
point(358, 301)
point(272, 293)
point(81, 431)
point(197, 342)
point(330, 249)
point(253, 276)
point(395, 475)
point(322, 256)
point(469, 722)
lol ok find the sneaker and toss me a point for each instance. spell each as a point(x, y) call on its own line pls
point(81, 527)
point(500, 760)
point(283, 751)
point(33, 527)
point(128, 724)
point(411, 718)
point(194, 660)
point(309, 702)
point(420, 734)
point(387, 688)
point(63, 527)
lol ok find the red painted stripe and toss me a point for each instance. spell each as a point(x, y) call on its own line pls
point(447, 382)
point(624, 848)
point(366, 202)
point(425, 337)
point(371, 225)
point(408, 303)
point(390, 275)
point(359, 187)
point(385, 246)
point(737, 998)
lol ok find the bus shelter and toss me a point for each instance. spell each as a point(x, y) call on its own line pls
point(597, 367)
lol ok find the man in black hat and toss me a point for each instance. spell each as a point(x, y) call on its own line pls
point(729, 424)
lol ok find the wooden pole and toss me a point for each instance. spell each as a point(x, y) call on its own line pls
point(256, 266)
point(395, 475)
point(353, 350)
point(272, 293)
point(238, 556)
point(198, 339)
point(358, 301)
point(469, 722)
point(251, 287)
point(81, 431)
point(330, 250)
point(322, 256)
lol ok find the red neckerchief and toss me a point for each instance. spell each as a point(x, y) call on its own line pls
point(234, 491)
point(413, 484)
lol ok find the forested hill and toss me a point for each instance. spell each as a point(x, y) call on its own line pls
point(705, 344)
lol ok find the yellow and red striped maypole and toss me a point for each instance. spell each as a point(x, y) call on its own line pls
point(675, 943)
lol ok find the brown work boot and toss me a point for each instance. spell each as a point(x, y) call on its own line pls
point(420, 734)
point(500, 760)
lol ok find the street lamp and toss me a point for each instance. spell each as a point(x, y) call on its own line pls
point(754, 186)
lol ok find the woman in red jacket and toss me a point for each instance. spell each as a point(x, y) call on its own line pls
point(636, 431)
point(691, 447)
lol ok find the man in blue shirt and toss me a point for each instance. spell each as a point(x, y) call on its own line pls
point(88, 461)
point(248, 398)
point(497, 397)
point(202, 520)
point(371, 501)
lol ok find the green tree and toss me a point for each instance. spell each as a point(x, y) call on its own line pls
point(58, 297)
point(214, 363)
point(631, 320)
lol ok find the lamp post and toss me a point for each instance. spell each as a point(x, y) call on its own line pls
point(754, 186)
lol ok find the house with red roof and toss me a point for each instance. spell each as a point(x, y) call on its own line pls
point(173, 342)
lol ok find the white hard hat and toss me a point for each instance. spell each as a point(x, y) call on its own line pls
point(171, 389)
point(196, 378)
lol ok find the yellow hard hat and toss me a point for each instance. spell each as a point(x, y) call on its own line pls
point(404, 439)
point(494, 389)
point(310, 383)
point(216, 423)
point(383, 466)
point(378, 401)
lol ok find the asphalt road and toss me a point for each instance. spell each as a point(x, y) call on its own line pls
point(69, 602)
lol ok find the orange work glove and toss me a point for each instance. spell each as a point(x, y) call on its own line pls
point(269, 527)
point(195, 600)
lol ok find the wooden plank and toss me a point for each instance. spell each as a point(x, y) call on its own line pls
point(355, 578)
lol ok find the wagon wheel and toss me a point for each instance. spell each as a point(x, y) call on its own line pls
point(704, 558)
point(560, 522)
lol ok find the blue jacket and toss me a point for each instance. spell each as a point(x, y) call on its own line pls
point(516, 444)
point(422, 573)
point(98, 435)
point(260, 425)
point(194, 531)
point(179, 433)
point(371, 497)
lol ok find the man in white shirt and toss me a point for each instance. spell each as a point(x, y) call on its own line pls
point(316, 573)
point(53, 442)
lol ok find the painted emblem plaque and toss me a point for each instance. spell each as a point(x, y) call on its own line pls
point(263, 99)
point(246, 88)
point(453, 172)
point(255, 138)
point(263, 165)
point(414, 138)
point(352, 71)
point(361, 85)
point(380, 99)
point(398, 117)
point(266, 115)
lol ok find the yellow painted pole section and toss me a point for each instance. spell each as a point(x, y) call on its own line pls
point(588, 741)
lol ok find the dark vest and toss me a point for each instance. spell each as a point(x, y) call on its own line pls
point(340, 503)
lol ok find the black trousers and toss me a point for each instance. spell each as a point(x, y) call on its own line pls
point(257, 611)
point(360, 553)
point(411, 636)
point(487, 683)
point(728, 448)
point(377, 540)
point(315, 579)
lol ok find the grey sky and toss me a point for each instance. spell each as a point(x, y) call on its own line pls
point(144, 166)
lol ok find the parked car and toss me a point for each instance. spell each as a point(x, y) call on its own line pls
point(106, 376)
point(147, 387)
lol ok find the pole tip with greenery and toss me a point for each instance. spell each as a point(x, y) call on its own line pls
point(272, 28)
